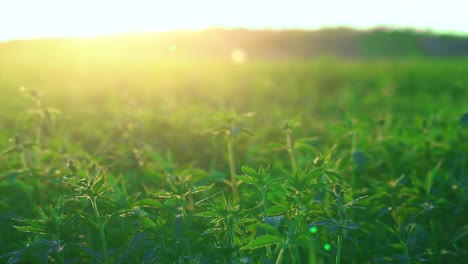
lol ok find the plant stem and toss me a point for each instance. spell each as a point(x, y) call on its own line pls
point(353, 150)
point(279, 259)
point(290, 151)
point(341, 204)
point(338, 249)
point(312, 253)
point(101, 231)
point(184, 217)
point(232, 168)
point(264, 202)
point(265, 211)
point(60, 256)
point(23, 159)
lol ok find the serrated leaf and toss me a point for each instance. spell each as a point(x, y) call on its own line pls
point(464, 121)
point(211, 230)
point(273, 220)
point(460, 234)
point(92, 253)
point(8, 151)
point(277, 209)
point(351, 226)
point(147, 222)
point(269, 228)
point(220, 130)
point(247, 131)
point(248, 170)
point(275, 146)
point(263, 241)
point(207, 214)
point(246, 179)
point(148, 203)
point(197, 189)
point(356, 200)
point(324, 222)
point(30, 229)
point(333, 173)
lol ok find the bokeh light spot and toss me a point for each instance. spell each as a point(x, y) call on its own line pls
point(327, 247)
point(313, 229)
point(238, 56)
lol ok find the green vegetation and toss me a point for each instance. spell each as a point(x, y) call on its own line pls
point(121, 159)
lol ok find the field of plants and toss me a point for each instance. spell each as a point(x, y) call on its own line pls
point(110, 160)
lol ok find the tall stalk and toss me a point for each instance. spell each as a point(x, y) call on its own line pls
point(287, 129)
point(102, 234)
point(232, 167)
point(279, 259)
point(353, 150)
point(341, 206)
point(338, 249)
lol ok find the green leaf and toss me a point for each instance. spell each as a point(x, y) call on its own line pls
point(353, 202)
point(464, 121)
point(207, 214)
point(8, 151)
point(325, 222)
point(246, 179)
point(460, 234)
point(351, 226)
point(269, 228)
point(211, 231)
point(148, 223)
point(334, 173)
point(247, 131)
point(275, 147)
point(277, 209)
point(263, 241)
point(248, 170)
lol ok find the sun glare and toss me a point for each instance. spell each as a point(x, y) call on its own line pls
point(58, 18)
point(238, 56)
point(89, 18)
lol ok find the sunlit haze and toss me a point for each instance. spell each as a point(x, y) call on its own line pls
point(57, 18)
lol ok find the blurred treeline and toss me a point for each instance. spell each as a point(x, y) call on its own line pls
point(257, 44)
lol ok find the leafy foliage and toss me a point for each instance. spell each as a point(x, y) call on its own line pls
point(372, 171)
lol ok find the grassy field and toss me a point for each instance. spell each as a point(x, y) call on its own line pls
point(109, 159)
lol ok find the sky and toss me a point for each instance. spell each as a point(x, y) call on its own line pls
point(25, 19)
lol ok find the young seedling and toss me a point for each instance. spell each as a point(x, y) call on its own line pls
point(92, 187)
point(41, 118)
point(226, 224)
point(341, 223)
point(288, 128)
point(48, 228)
point(230, 127)
point(20, 147)
point(182, 189)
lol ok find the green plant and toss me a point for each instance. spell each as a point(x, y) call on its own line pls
point(48, 230)
point(230, 127)
point(341, 223)
point(91, 188)
point(288, 128)
point(41, 118)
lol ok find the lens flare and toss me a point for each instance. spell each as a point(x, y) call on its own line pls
point(313, 229)
point(238, 56)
